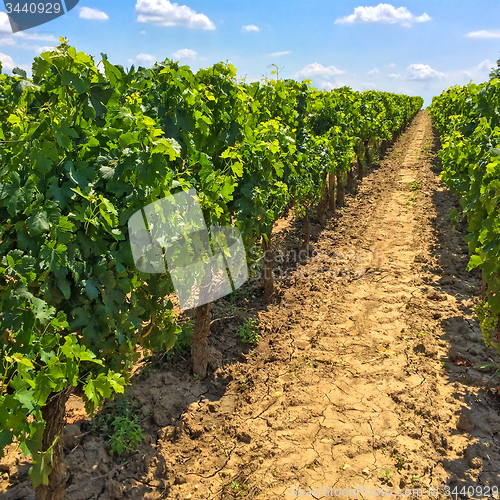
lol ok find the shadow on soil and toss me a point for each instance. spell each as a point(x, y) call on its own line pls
point(479, 392)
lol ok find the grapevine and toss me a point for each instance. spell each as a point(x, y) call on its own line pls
point(468, 121)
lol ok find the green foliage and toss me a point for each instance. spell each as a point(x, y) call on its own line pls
point(248, 333)
point(183, 344)
point(495, 72)
point(82, 150)
point(468, 121)
point(119, 425)
point(127, 434)
point(78, 158)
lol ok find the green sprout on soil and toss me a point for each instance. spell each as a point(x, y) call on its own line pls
point(234, 490)
point(414, 186)
point(238, 488)
point(386, 475)
point(119, 425)
point(126, 435)
point(400, 462)
point(248, 332)
point(312, 465)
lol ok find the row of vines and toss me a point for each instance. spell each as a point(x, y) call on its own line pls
point(468, 121)
point(82, 148)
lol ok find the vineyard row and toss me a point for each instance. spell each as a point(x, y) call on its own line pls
point(83, 147)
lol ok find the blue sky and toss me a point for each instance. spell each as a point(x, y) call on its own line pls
point(417, 47)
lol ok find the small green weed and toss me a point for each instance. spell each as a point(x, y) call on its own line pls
point(247, 332)
point(414, 186)
point(386, 476)
point(241, 294)
point(411, 200)
point(234, 490)
point(400, 462)
point(240, 488)
point(118, 423)
point(127, 434)
point(312, 465)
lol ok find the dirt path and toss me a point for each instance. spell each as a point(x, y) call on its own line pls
point(363, 377)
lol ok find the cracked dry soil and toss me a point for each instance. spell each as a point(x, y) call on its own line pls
point(362, 378)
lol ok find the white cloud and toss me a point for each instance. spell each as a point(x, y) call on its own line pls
point(326, 86)
point(145, 59)
point(20, 38)
point(483, 34)
point(424, 18)
point(36, 37)
point(165, 13)
point(486, 65)
point(251, 27)
point(391, 65)
point(4, 23)
point(143, 32)
point(383, 13)
point(185, 54)
point(318, 70)
point(422, 72)
point(280, 54)
point(7, 41)
point(393, 76)
point(7, 61)
point(40, 50)
point(373, 72)
point(93, 14)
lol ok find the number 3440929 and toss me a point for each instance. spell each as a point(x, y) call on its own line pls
point(33, 8)
point(480, 491)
